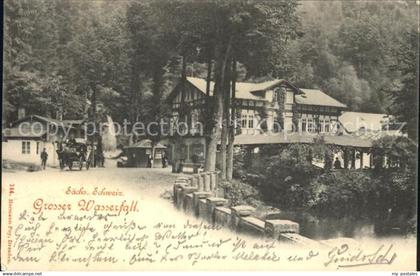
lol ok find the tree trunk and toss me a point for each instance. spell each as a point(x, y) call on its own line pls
point(208, 79)
point(221, 57)
point(232, 124)
point(158, 81)
point(134, 90)
point(177, 151)
point(94, 137)
point(208, 108)
point(226, 119)
point(183, 78)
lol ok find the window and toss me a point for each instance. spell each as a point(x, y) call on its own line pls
point(26, 147)
point(243, 121)
point(250, 121)
point(311, 125)
point(327, 126)
point(37, 147)
point(303, 124)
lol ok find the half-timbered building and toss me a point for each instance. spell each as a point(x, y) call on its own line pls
point(271, 106)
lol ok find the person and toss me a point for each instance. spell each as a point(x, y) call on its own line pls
point(337, 163)
point(44, 157)
point(164, 161)
point(150, 161)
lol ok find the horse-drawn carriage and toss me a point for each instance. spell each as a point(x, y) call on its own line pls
point(74, 154)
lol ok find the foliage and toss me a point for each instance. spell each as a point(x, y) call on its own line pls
point(288, 187)
point(400, 152)
point(281, 97)
point(388, 198)
point(57, 51)
point(296, 116)
point(342, 193)
point(324, 152)
point(240, 193)
point(347, 49)
point(239, 165)
point(404, 92)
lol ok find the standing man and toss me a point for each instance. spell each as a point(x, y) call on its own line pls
point(164, 160)
point(337, 164)
point(44, 157)
point(149, 161)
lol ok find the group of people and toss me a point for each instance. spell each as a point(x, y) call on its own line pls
point(164, 160)
point(71, 144)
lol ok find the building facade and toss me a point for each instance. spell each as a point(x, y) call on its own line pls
point(26, 138)
point(272, 106)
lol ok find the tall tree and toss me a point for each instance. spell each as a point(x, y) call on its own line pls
point(232, 123)
point(404, 93)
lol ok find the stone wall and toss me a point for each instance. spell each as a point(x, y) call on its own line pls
point(198, 195)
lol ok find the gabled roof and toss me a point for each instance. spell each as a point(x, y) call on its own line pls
point(16, 133)
point(67, 123)
point(249, 91)
point(244, 90)
point(354, 121)
point(317, 97)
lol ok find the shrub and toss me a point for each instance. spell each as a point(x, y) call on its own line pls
point(287, 177)
point(239, 168)
point(397, 193)
point(400, 152)
point(343, 193)
point(240, 193)
point(388, 198)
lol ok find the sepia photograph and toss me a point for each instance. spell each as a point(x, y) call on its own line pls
point(210, 135)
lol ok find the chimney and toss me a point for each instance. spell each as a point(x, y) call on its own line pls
point(21, 113)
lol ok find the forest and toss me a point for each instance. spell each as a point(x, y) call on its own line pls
point(126, 56)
